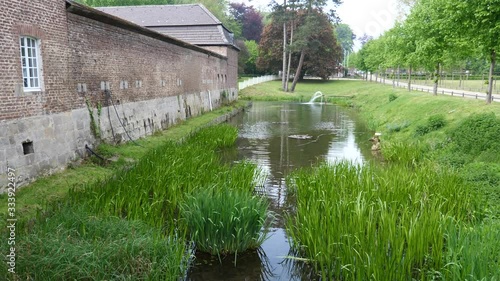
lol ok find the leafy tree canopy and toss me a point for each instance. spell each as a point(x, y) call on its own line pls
point(249, 19)
point(313, 32)
point(345, 36)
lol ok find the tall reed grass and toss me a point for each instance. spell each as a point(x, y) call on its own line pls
point(472, 253)
point(154, 187)
point(363, 223)
point(216, 199)
point(225, 220)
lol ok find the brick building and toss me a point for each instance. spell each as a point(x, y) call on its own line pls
point(72, 76)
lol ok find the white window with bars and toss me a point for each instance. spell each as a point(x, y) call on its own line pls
point(30, 63)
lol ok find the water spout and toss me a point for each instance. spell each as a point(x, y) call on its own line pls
point(316, 95)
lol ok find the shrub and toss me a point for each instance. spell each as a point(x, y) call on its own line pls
point(483, 172)
point(397, 127)
point(476, 134)
point(434, 123)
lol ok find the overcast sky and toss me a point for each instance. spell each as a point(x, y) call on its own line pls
point(372, 17)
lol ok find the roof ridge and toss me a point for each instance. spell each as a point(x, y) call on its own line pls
point(209, 13)
point(146, 5)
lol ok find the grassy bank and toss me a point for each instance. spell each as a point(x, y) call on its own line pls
point(36, 196)
point(122, 220)
point(138, 223)
point(430, 212)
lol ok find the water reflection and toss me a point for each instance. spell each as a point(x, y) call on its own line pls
point(264, 130)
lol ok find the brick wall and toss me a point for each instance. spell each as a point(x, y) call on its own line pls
point(105, 53)
point(45, 20)
point(153, 82)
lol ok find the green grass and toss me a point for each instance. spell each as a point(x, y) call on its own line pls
point(72, 245)
point(471, 252)
point(153, 189)
point(34, 197)
point(366, 223)
point(128, 226)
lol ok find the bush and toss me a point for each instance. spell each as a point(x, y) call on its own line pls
point(476, 134)
point(392, 97)
point(396, 127)
point(483, 173)
point(434, 123)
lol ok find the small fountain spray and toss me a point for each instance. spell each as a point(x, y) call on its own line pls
point(316, 95)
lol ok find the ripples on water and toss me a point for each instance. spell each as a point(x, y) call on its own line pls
point(264, 132)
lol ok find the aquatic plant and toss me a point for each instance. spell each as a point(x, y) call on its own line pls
point(183, 185)
point(225, 220)
point(409, 154)
point(153, 188)
point(363, 223)
point(472, 253)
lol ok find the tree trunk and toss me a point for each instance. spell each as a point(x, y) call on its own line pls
point(436, 81)
point(283, 72)
point(490, 77)
point(399, 74)
point(393, 76)
point(299, 69)
point(409, 78)
point(289, 57)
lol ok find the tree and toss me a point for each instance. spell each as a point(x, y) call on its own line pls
point(400, 44)
point(249, 19)
point(253, 51)
point(478, 22)
point(286, 15)
point(345, 37)
point(323, 52)
point(243, 56)
point(314, 18)
point(429, 31)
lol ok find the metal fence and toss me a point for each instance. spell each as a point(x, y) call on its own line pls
point(444, 91)
point(257, 80)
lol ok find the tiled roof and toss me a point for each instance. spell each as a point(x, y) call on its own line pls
point(164, 15)
point(191, 23)
point(200, 35)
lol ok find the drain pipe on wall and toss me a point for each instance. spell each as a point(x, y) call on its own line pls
point(210, 100)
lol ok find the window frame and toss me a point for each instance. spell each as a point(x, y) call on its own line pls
point(31, 63)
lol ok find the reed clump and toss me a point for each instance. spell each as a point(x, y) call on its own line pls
point(225, 220)
point(366, 223)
